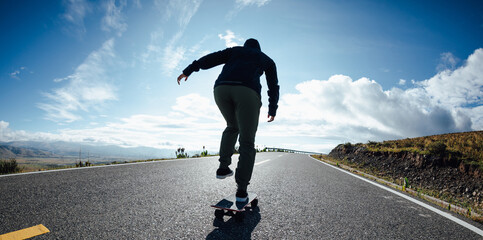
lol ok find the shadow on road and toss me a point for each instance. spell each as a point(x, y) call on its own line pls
point(235, 230)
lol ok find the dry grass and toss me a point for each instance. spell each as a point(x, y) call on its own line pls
point(467, 146)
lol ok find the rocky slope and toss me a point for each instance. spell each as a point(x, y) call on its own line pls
point(443, 175)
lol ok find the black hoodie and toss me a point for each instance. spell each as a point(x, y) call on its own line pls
point(243, 66)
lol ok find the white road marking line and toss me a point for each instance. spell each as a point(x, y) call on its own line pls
point(258, 163)
point(444, 214)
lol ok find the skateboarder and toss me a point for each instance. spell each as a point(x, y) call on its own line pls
point(237, 95)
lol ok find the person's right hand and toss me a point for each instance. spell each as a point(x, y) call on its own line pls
point(181, 77)
point(270, 118)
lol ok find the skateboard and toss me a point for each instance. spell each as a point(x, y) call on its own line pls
point(230, 207)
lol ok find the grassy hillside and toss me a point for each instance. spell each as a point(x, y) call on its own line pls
point(467, 146)
point(447, 167)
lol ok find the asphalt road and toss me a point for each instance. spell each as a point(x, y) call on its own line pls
point(299, 198)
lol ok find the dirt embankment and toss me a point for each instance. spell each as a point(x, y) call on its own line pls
point(444, 176)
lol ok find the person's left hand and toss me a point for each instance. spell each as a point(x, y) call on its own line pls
point(181, 77)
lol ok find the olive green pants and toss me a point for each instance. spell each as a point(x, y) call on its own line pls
point(240, 106)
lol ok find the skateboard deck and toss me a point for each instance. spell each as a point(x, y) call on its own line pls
point(229, 206)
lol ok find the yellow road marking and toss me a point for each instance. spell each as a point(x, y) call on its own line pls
point(25, 233)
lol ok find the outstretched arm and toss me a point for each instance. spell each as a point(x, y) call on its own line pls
point(206, 62)
point(181, 77)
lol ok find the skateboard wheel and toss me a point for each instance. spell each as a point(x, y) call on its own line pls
point(219, 213)
point(254, 203)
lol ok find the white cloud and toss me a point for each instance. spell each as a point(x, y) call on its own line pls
point(7, 134)
point(87, 88)
point(194, 105)
point(16, 74)
point(172, 56)
point(197, 51)
point(258, 3)
point(76, 10)
point(360, 110)
point(57, 80)
point(402, 82)
point(172, 53)
point(447, 62)
point(113, 19)
point(319, 115)
point(193, 122)
point(229, 38)
point(3, 125)
point(241, 4)
point(460, 87)
point(188, 125)
point(182, 10)
point(75, 14)
point(153, 50)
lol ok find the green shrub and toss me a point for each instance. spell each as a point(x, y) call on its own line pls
point(9, 166)
point(347, 145)
point(406, 182)
point(372, 144)
point(181, 154)
point(204, 153)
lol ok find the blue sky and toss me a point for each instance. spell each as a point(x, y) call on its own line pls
point(350, 71)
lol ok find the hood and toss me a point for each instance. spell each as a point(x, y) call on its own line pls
point(252, 43)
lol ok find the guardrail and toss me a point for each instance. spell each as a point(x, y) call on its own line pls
point(274, 149)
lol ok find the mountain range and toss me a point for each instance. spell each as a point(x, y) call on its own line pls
point(84, 151)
